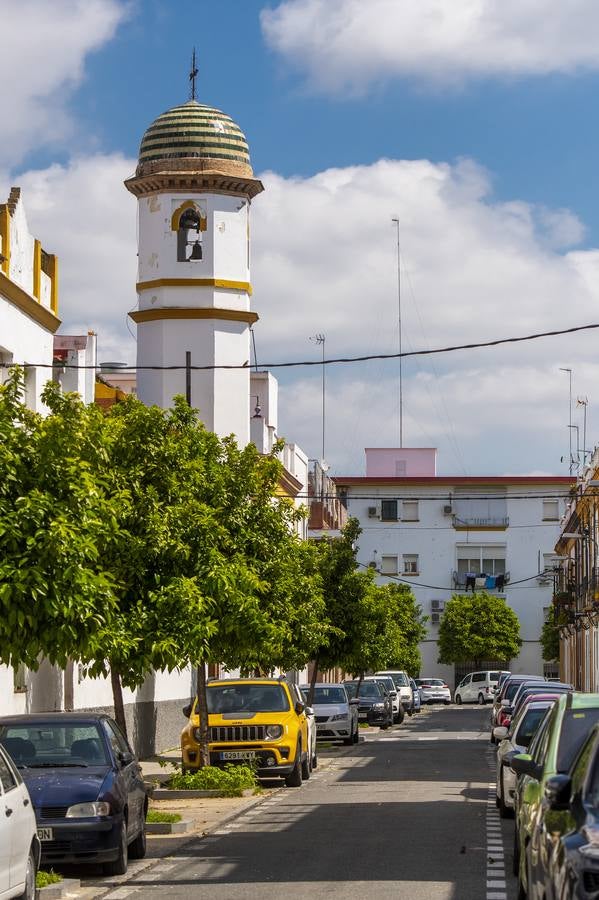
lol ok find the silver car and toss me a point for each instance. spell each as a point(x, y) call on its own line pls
point(515, 739)
point(336, 716)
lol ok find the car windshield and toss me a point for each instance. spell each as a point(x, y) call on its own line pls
point(529, 724)
point(49, 744)
point(400, 679)
point(369, 689)
point(333, 694)
point(575, 728)
point(242, 698)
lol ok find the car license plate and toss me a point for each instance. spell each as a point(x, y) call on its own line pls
point(45, 834)
point(238, 754)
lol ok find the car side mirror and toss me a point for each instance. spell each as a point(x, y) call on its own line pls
point(309, 711)
point(300, 708)
point(125, 757)
point(500, 732)
point(524, 764)
point(558, 790)
point(354, 701)
point(505, 702)
point(187, 710)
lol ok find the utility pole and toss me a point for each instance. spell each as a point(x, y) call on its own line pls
point(188, 376)
point(396, 223)
point(321, 339)
point(569, 371)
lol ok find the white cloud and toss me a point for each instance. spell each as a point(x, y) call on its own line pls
point(324, 261)
point(42, 51)
point(349, 44)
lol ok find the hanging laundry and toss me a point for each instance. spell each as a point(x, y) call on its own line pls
point(480, 582)
point(491, 583)
point(470, 581)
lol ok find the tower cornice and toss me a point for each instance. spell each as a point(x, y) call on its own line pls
point(140, 316)
point(208, 181)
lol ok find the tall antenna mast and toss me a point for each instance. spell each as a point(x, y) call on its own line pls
point(396, 222)
point(193, 74)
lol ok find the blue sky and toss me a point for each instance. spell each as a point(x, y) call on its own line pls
point(474, 122)
point(539, 136)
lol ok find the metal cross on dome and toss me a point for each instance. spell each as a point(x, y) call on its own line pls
point(193, 74)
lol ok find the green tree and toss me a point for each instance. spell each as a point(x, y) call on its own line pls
point(550, 634)
point(58, 514)
point(478, 627)
point(406, 628)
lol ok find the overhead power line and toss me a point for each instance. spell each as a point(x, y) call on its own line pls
point(337, 360)
point(434, 587)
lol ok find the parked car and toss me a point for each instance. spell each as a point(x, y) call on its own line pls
point(389, 686)
point(573, 803)
point(416, 704)
point(515, 739)
point(336, 716)
point(402, 686)
point(85, 784)
point(262, 720)
point(375, 704)
point(19, 844)
point(509, 686)
point(477, 687)
point(433, 690)
point(526, 693)
point(552, 752)
point(312, 757)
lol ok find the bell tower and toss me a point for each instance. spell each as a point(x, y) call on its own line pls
point(194, 185)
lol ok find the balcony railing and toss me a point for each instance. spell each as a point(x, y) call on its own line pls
point(465, 583)
point(481, 522)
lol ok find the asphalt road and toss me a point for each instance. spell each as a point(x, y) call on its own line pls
point(408, 815)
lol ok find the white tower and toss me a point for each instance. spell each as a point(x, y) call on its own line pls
point(194, 185)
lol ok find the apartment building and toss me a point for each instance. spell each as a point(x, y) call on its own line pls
point(450, 534)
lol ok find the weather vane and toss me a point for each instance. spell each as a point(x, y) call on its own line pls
point(192, 76)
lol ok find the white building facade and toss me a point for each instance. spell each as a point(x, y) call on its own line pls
point(445, 535)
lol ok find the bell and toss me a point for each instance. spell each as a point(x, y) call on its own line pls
point(196, 251)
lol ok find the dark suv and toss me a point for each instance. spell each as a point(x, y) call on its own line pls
point(375, 706)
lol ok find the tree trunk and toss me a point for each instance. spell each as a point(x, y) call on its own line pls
point(117, 700)
point(360, 680)
point(313, 681)
point(202, 708)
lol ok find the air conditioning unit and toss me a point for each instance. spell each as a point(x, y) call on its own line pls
point(438, 605)
point(372, 564)
point(435, 618)
point(372, 512)
point(447, 509)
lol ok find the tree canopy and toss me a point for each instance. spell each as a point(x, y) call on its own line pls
point(477, 627)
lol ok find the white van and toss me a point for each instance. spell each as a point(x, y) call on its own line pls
point(402, 686)
point(478, 687)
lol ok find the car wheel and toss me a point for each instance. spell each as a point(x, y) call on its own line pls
point(314, 761)
point(447, 702)
point(137, 848)
point(294, 779)
point(118, 866)
point(481, 700)
point(306, 768)
point(504, 811)
point(458, 699)
point(516, 854)
point(356, 735)
point(29, 892)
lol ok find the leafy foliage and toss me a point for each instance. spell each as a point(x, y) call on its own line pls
point(550, 634)
point(478, 626)
point(230, 781)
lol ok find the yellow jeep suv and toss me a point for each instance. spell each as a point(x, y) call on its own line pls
point(262, 720)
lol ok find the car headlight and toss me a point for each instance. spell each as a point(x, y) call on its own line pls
point(340, 717)
point(88, 810)
point(273, 732)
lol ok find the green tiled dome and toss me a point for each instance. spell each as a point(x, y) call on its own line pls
point(193, 131)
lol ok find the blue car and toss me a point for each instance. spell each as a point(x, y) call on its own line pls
point(416, 702)
point(85, 784)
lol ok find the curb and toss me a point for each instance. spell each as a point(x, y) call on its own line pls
point(169, 827)
point(57, 890)
point(168, 794)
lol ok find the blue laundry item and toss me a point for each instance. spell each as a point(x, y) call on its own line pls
point(490, 582)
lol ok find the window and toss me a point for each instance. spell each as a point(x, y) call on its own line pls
point(479, 676)
point(188, 236)
point(388, 565)
point(409, 510)
point(7, 778)
point(389, 510)
point(475, 560)
point(550, 510)
point(410, 563)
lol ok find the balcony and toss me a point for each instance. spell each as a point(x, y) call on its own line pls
point(485, 523)
point(494, 584)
